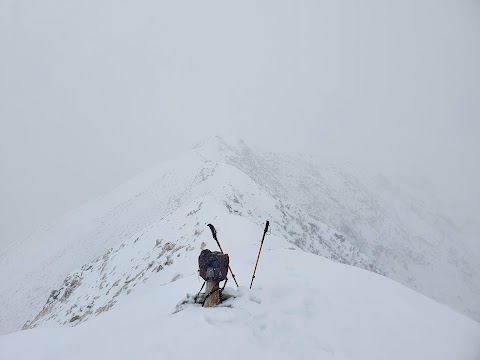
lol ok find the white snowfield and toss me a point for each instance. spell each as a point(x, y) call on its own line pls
point(301, 306)
point(104, 281)
point(32, 270)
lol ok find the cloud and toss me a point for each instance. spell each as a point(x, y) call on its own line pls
point(92, 92)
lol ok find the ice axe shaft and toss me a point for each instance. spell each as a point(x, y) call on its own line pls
point(259, 251)
point(214, 234)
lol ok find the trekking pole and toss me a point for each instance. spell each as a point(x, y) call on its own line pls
point(214, 234)
point(196, 297)
point(259, 251)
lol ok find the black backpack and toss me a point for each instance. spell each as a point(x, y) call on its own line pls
point(213, 266)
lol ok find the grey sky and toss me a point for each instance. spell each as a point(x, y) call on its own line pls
point(91, 92)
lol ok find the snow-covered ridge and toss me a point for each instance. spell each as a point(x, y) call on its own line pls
point(302, 306)
point(325, 210)
point(399, 229)
point(98, 285)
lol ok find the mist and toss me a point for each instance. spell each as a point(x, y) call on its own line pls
point(93, 92)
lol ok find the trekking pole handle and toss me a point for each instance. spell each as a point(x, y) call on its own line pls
point(266, 227)
point(214, 234)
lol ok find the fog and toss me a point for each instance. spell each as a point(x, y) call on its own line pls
point(92, 92)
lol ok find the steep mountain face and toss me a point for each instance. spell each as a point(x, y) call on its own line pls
point(154, 226)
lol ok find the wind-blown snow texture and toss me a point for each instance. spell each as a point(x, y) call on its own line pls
point(152, 229)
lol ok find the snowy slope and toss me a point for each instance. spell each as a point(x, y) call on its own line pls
point(401, 230)
point(164, 250)
point(94, 257)
point(32, 269)
point(302, 306)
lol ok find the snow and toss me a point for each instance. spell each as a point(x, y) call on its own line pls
point(398, 228)
point(301, 306)
point(33, 269)
point(110, 274)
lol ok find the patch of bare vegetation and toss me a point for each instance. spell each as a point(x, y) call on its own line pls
point(176, 277)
